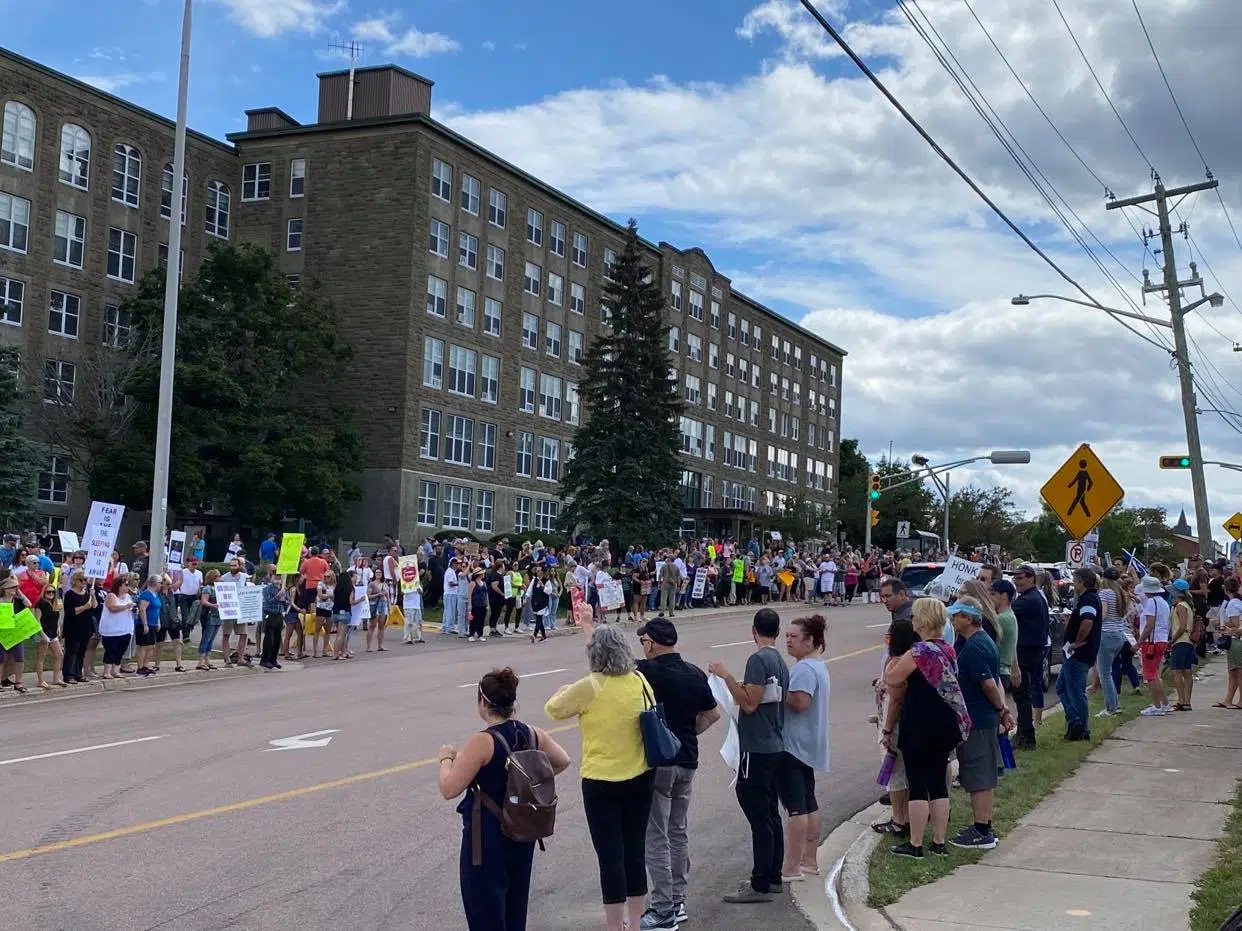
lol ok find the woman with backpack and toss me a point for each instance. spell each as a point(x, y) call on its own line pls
point(494, 869)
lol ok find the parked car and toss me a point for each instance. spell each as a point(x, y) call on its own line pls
point(918, 575)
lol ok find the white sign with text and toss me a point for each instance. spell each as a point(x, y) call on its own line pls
point(249, 603)
point(226, 598)
point(102, 527)
point(958, 570)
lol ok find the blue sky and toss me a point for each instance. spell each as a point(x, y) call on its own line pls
point(733, 125)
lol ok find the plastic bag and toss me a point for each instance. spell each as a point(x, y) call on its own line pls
point(731, 752)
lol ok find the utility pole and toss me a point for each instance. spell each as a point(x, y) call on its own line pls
point(1172, 288)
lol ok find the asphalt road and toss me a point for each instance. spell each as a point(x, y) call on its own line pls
point(208, 826)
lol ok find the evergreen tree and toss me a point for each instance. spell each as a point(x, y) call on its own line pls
point(20, 459)
point(624, 482)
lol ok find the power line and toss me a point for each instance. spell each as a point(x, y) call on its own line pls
point(1211, 271)
point(1100, 85)
point(1169, 87)
point(948, 160)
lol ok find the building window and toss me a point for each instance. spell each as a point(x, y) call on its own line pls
point(696, 305)
point(216, 213)
point(745, 337)
point(534, 227)
point(694, 347)
point(14, 223)
point(63, 314)
point(713, 355)
point(487, 446)
point(466, 303)
point(54, 481)
point(126, 174)
point(711, 396)
point(433, 363)
point(521, 514)
point(166, 193)
point(297, 177)
point(461, 370)
point(674, 339)
point(772, 382)
point(497, 207)
point(489, 380)
point(116, 329)
point(743, 370)
point(732, 331)
point(59, 378)
point(122, 249)
point(442, 180)
point(457, 507)
point(437, 296)
point(533, 280)
point(576, 343)
point(293, 239)
point(11, 295)
point(730, 365)
point(530, 332)
point(691, 432)
point(610, 259)
point(429, 434)
point(577, 298)
point(428, 502)
point(526, 390)
point(459, 440)
point(556, 239)
point(546, 514)
point(756, 376)
point(549, 397)
point(676, 296)
point(556, 289)
point(694, 392)
point(524, 457)
point(484, 508)
point(491, 316)
point(496, 263)
point(470, 194)
point(776, 349)
point(69, 239)
point(467, 250)
point(797, 358)
point(257, 181)
point(549, 464)
point(438, 239)
point(75, 156)
point(17, 144)
point(580, 250)
point(757, 337)
point(714, 320)
point(552, 339)
point(573, 405)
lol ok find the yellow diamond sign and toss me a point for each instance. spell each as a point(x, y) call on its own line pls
point(1082, 492)
point(1234, 526)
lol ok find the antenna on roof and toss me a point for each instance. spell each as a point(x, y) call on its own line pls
point(354, 50)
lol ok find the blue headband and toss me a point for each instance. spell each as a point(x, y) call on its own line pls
point(958, 608)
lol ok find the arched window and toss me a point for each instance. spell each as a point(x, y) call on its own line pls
point(217, 213)
point(18, 145)
point(126, 174)
point(75, 155)
point(166, 193)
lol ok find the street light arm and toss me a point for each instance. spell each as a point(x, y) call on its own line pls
point(1022, 300)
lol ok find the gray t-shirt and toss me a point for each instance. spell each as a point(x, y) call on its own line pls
point(763, 731)
point(806, 732)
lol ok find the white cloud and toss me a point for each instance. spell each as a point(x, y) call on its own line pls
point(114, 83)
point(489, 45)
point(270, 18)
point(414, 43)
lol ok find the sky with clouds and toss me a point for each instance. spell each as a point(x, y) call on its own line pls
point(738, 126)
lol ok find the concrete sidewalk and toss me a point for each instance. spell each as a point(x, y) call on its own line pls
point(1119, 844)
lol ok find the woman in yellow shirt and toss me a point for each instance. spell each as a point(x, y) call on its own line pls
point(616, 780)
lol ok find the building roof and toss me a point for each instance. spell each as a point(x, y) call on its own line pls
point(112, 100)
point(363, 70)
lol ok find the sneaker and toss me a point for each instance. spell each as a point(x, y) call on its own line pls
point(471, 638)
point(679, 912)
point(971, 839)
point(1152, 711)
point(747, 895)
point(1105, 713)
point(907, 849)
point(939, 850)
point(654, 921)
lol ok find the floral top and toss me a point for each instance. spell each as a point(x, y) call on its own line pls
point(937, 662)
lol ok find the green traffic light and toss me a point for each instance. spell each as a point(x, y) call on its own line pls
point(875, 496)
point(1184, 462)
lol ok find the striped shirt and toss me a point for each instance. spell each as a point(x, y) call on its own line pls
point(1112, 621)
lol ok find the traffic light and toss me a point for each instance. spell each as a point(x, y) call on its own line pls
point(1175, 462)
point(875, 517)
point(874, 494)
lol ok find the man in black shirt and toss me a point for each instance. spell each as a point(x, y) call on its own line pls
point(1082, 639)
point(1033, 625)
point(689, 709)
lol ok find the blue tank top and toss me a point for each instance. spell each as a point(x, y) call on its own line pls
point(492, 777)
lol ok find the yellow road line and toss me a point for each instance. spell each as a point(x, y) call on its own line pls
point(878, 646)
point(188, 817)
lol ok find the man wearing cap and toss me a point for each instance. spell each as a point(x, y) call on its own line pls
point(142, 561)
point(1031, 611)
point(1082, 645)
point(1003, 594)
point(689, 709)
point(1154, 641)
point(979, 757)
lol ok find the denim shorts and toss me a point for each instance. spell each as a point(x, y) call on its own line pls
point(1183, 656)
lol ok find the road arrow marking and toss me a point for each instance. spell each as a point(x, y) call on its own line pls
point(301, 741)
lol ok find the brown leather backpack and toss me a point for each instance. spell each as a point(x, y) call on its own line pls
point(528, 811)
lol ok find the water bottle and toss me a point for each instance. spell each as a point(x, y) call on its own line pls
point(886, 769)
point(1006, 749)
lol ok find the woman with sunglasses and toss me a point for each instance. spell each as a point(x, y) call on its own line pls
point(47, 609)
point(78, 625)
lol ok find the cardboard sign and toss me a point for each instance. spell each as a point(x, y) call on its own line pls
point(470, 549)
point(958, 570)
point(249, 603)
point(611, 594)
point(176, 549)
point(102, 527)
point(700, 583)
point(226, 598)
point(407, 566)
point(290, 554)
point(68, 541)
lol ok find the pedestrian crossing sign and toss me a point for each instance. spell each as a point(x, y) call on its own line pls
point(1234, 526)
point(1082, 492)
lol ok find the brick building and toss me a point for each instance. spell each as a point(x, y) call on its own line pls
point(469, 290)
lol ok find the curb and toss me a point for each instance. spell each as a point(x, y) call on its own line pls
point(133, 684)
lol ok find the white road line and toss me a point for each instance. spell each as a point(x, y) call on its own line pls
point(873, 626)
point(737, 643)
point(521, 675)
point(44, 756)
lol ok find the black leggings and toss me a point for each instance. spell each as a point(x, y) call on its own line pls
point(478, 615)
point(616, 814)
point(76, 642)
point(497, 606)
point(927, 772)
point(510, 604)
point(114, 649)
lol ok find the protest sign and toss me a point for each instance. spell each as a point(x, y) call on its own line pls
point(408, 567)
point(176, 549)
point(611, 594)
point(102, 527)
point(226, 598)
point(68, 541)
point(24, 626)
point(290, 553)
point(958, 570)
point(700, 583)
point(470, 549)
point(249, 603)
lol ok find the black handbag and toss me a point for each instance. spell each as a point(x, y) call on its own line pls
point(661, 744)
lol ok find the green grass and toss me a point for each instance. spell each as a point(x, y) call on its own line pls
point(1020, 790)
point(1220, 889)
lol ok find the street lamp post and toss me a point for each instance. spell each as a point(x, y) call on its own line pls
point(1177, 324)
point(168, 350)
